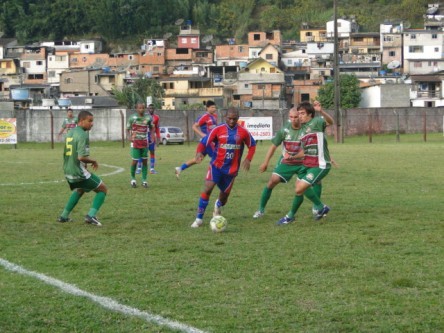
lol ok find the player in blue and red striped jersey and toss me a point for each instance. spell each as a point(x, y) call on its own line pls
point(202, 127)
point(230, 140)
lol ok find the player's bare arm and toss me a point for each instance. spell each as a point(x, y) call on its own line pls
point(318, 108)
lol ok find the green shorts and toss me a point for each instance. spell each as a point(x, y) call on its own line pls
point(286, 171)
point(313, 175)
point(137, 153)
point(87, 185)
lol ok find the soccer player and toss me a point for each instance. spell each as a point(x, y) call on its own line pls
point(68, 123)
point(138, 126)
point(152, 141)
point(75, 160)
point(316, 160)
point(203, 125)
point(230, 140)
point(289, 138)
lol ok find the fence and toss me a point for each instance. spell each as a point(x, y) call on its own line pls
point(110, 124)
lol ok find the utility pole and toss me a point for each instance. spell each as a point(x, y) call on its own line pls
point(336, 77)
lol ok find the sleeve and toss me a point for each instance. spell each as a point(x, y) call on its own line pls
point(251, 144)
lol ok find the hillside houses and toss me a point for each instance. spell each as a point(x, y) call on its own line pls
point(265, 73)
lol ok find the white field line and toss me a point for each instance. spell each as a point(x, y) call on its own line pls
point(106, 302)
point(116, 171)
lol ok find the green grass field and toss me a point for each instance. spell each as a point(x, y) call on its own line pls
point(375, 264)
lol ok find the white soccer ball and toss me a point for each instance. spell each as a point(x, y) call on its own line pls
point(218, 223)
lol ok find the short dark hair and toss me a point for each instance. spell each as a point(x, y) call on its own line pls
point(307, 107)
point(84, 114)
point(209, 103)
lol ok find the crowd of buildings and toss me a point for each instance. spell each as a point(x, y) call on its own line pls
point(397, 67)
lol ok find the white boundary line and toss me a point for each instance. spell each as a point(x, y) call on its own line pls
point(118, 170)
point(106, 302)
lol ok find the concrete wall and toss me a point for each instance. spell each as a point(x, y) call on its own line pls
point(37, 126)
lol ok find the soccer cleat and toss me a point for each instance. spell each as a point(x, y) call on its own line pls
point(64, 219)
point(133, 184)
point(92, 220)
point(197, 223)
point(152, 171)
point(258, 214)
point(217, 209)
point(285, 220)
point(145, 185)
point(178, 171)
point(322, 213)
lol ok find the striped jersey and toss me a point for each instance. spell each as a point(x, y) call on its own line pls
point(314, 143)
point(290, 140)
point(230, 143)
point(141, 126)
point(207, 122)
point(69, 123)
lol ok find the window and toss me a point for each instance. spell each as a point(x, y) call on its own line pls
point(415, 49)
point(254, 54)
point(308, 34)
point(35, 76)
point(392, 54)
point(155, 69)
point(417, 65)
point(194, 40)
point(86, 46)
point(26, 64)
point(39, 63)
point(261, 86)
point(269, 56)
point(69, 80)
point(436, 49)
point(358, 39)
point(434, 36)
point(289, 62)
point(51, 74)
point(246, 85)
point(241, 49)
point(413, 36)
point(131, 57)
point(257, 37)
point(388, 38)
point(184, 40)
point(74, 60)
point(60, 58)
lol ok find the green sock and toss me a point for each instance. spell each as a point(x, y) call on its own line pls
point(144, 172)
point(72, 202)
point(266, 194)
point(317, 188)
point(97, 203)
point(310, 194)
point(297, 202)
point(133, 171)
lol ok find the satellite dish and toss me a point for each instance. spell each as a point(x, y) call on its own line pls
point(207, 38)
point(393, 64)
point(432, 10)
point(167, 35)
point(178, 22)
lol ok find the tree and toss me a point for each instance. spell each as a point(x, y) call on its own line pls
point(139, 91)
point(349, 91)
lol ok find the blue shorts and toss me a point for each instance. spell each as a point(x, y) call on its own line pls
point(223, 181)
point(152, 147)
point(210, 149)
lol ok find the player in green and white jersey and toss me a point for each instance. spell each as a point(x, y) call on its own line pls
point(138, 126)
point(68, 123)
point(316, 159)
point(289, 138)
point(75, 161)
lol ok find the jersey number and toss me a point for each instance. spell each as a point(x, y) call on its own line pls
point(229, 156)
point(68, 145)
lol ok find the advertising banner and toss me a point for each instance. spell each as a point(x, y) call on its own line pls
point(8, 131)
point(261, 128)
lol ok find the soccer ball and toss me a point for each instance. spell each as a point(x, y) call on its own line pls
point(218, 223)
